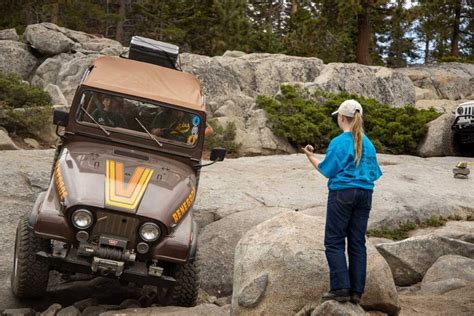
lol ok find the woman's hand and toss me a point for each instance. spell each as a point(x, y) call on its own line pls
point(308, 150)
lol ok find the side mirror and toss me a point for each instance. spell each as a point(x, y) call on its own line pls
point(218, 154)
point(60, 118)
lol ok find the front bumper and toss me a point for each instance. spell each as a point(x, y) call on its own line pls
point(464, 132)
point(465, 136)
point(136, 272)
point(49, 222)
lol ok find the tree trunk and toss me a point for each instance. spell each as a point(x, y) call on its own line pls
point(119, 29)
point(269, 13)
point(294, 7)
point(55, 12)
point(107, 21)
point(363, 34)
point(427, 50)
point(160, 18)
point(455, 34)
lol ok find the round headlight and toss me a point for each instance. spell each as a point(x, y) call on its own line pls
point(460, 110)
point(82, 219)
point(150, 232)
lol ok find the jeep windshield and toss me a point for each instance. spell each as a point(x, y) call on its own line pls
point(120, 114)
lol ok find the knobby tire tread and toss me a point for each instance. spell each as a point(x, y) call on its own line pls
point(185, 292)
point(33, 273)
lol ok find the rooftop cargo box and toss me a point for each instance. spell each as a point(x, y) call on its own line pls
point(154, 52)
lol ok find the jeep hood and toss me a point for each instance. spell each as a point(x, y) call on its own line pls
point(124, 180)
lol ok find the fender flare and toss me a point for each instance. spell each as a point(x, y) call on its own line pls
point(193, 248)
point(33, 217)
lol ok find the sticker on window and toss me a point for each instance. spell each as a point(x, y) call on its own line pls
point(196, 120)
point(192, 139)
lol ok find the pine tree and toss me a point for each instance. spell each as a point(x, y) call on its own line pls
point(447, 26)
point(401, 45)
point(426, 26)
point(231, 26)
point(366, 31)
point(266, 25)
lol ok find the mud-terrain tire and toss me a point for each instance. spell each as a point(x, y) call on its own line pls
point(185, 291)
point(30, 274)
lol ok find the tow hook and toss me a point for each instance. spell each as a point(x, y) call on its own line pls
point(155, 270)
point(107, 267)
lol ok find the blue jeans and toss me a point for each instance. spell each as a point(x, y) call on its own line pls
point(346, 217)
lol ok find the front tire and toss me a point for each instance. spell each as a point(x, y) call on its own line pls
point(185, 291)
point(30, 274)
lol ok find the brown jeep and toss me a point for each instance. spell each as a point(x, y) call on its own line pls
point(124, 181)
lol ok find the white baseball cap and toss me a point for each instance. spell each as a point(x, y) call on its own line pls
point(349, 108)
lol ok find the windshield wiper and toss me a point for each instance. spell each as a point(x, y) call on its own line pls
point(149, 134)
point(96, 123)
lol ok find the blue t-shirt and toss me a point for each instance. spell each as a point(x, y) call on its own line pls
point(340, 167)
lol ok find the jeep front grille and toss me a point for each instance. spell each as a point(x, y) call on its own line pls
point(116, 225)
point(468, 110)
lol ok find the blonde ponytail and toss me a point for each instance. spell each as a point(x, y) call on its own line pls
point(357, 129)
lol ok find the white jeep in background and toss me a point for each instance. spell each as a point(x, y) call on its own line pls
point(463, 125)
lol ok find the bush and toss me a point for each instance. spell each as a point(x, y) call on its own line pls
point(303, 118)
point(28, 121)
point(403, 231)
point(454, 59)
point(18, 94)
point(24, 108)
point(400, 233)
point(222, 137)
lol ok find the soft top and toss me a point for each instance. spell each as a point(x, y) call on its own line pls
point(145, 80)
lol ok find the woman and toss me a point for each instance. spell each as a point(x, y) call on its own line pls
point(351, 167)
point(110, 115)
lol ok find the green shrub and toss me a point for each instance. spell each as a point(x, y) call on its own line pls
point(402, 232)
point(394, 234)
point(304, 118)
point(434, 221)
point(455, 217)
point(27, 121)
point(222, 137)
point(18, 94)
point(450, 59)
point(24, 108)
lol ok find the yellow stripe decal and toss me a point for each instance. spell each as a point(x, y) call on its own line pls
point(58, 179)
point(121, 193)
point(184, 207)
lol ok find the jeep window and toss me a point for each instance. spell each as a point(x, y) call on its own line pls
point(120, 114)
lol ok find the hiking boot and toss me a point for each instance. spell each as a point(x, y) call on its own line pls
point(342, 295)
point(355, 298)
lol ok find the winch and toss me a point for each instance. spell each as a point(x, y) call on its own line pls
point(109, 256)
point(105, 250)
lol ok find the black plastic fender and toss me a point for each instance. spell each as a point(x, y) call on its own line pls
point(34, 212)
point(193, 248)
